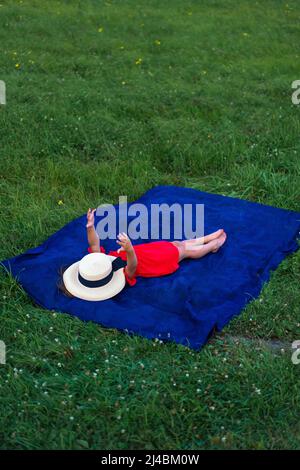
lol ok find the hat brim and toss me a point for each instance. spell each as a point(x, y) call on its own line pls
point(112, 288)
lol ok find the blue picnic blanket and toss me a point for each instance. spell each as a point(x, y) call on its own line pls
point(188, 305)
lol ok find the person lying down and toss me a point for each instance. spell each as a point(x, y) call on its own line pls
point(100, 276)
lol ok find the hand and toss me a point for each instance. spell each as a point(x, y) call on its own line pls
point(90, 218)
point(125, 242)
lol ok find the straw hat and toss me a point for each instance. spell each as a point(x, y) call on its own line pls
point(95, 277)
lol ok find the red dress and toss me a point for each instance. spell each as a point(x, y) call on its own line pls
point(153, 259)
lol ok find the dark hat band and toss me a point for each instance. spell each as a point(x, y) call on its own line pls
point(116, 264)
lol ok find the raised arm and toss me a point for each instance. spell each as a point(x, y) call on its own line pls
point(92, 235)
point(126, 244)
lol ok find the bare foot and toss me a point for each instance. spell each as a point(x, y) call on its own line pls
point(216, 234)
point(220, 241)
point(205, 239)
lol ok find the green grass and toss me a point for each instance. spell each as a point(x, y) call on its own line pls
point(208, 107)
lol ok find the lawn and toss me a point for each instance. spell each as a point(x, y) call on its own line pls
point(106, 98)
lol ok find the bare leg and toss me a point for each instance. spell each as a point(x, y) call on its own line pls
point(205, 239)
point(200, 250)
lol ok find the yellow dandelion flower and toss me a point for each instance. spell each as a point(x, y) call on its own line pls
point(60, 202)
point(138, 61)
point(100, 30)
point(17, 66)
point(157, 42)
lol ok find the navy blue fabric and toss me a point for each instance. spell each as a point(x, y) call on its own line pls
point(186, 306)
